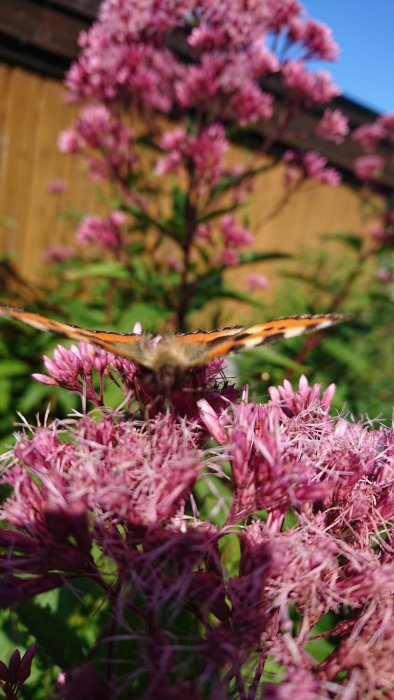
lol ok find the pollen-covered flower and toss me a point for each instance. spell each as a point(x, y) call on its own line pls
point(305, 398)
point(75, 368)
point(148, 511)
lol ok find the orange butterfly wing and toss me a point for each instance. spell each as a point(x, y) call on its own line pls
point(104, 339)
point(269, 332)
point(213, 343)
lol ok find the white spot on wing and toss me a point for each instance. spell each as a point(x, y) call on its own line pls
point(293, 332)
point(251, 342)
point(36, 324)
point(324, 324)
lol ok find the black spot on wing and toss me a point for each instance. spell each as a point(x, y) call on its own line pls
point(240, 336)
point(272, 338)
point(218, 341)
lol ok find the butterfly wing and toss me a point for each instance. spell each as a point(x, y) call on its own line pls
point(269, 332)
point(117, 343)
point(207, 337)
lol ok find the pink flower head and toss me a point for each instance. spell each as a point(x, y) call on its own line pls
point(317, 87)
point(74, 369)
point(234, 235)
point(58, 253)
point(281, 15)
point(318, 40)
point(368, 167)
point(333, 126)
point(69, 141)
point(57, 186)
point(305, 398)
point(83, 369)
point(310, 165)
point(263, 471)
point(385, 275)
point(250, 104)
point(110, 469)
point(387, 122)
point(94, 123)
point(369, 135)
point(257, 282)
point(204, 232)
point(383, 234)
point(106, 233)
point(205, 151)
point(262, 60)
point(229, 258)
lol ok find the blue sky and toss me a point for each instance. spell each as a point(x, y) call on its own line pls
point(364, 29)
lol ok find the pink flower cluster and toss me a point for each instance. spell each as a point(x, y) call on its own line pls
point(305, 85)
point(211, 59)
point(301, 166)
point(234, 237)
point(116, 501)
point(370, 135)
point(231, 238)
point(333, 126)
point(368, 167)
point(106, 233)
point(83, 369)
point(383, 230)
point(97, 128)
point(204, 151)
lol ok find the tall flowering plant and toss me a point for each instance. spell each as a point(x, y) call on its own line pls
point(164, 82)
point(218, 547)
point(162, 86)
point(200, 544)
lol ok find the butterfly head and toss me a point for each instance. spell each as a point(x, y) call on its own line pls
point(164, 364)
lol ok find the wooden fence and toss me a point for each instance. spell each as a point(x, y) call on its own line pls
point(33, 111)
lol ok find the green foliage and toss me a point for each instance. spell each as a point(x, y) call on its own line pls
point(356, 355)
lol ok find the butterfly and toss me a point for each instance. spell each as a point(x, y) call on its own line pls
point(165, 360)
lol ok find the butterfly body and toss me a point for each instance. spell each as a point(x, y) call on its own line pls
point(167, 359)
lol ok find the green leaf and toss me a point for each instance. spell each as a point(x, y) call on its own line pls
point(147, 141)
point(6, 491)
point(49, 628)
point(13, 368)
point(308, 279)
point(147, 314)
point(217, 212)
point(5, 395)
point(344, 353)
point(179, 204)
point(230, 181)
point(145, 219)
point(250, 256)
point(228, 293)
point(112, 269)
point(351, 240)
point(273, 357)
point(35, 395)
